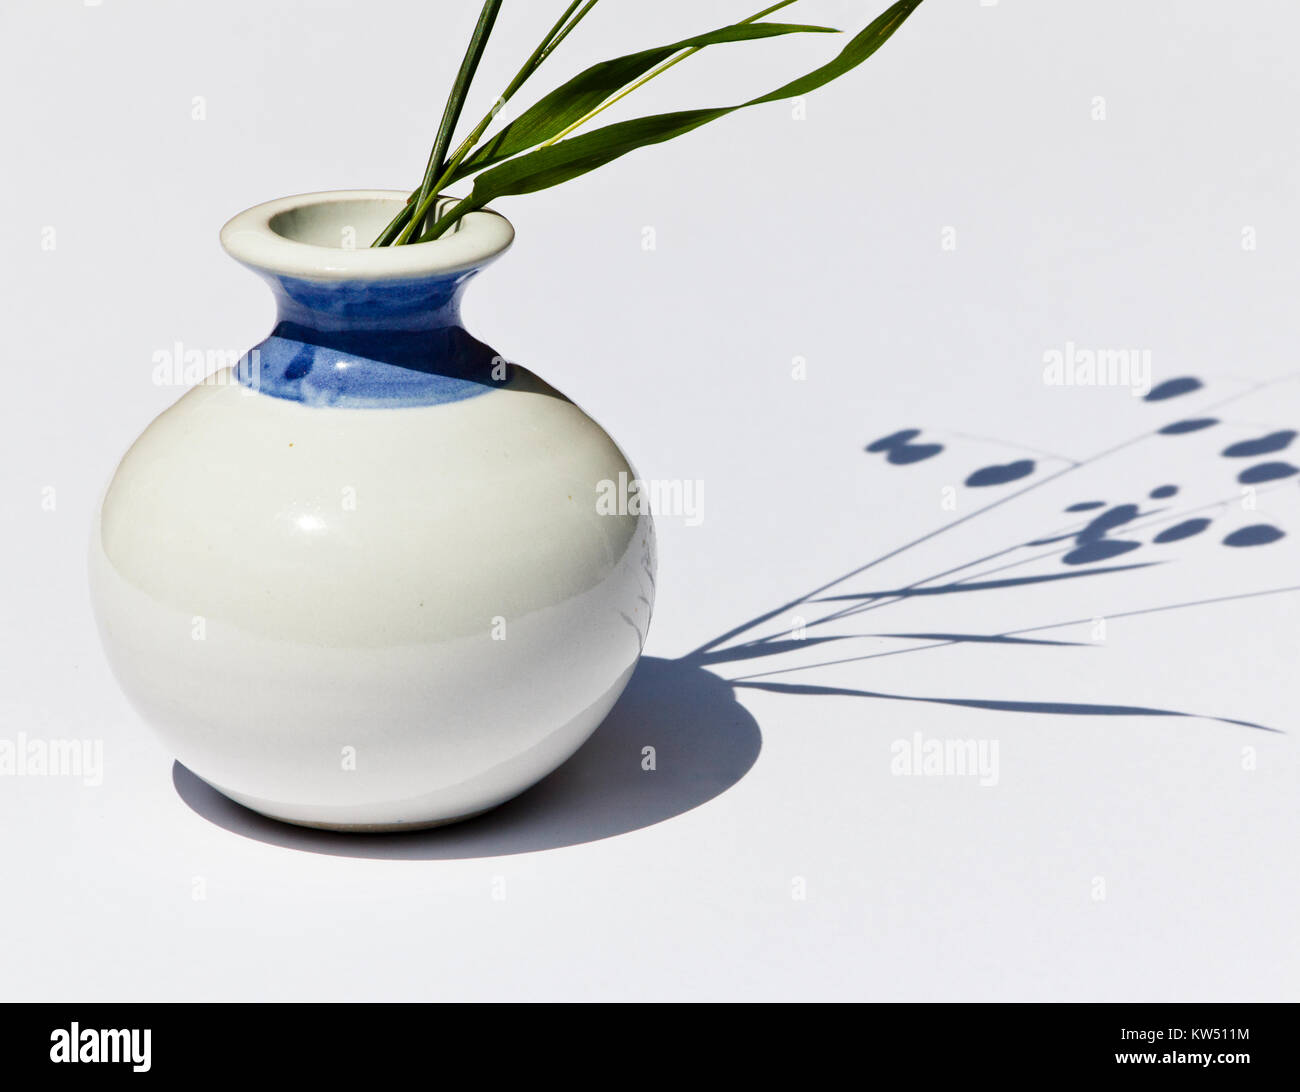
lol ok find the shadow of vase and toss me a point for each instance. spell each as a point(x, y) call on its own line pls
point(704, 742)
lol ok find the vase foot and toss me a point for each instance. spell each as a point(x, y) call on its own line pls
point(284, 814)
point(381, 828)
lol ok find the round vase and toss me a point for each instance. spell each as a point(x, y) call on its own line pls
point(361, 580)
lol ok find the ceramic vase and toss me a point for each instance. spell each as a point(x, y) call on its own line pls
point(361, 580)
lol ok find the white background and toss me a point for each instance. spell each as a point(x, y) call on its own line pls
point(1117, 857)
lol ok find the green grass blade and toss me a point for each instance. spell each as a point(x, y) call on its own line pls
point(562, 28)
point(858, 50)
point(586, 92)
point(654, 73)
point(545, 167)
point(451, 115)
point(556, 35)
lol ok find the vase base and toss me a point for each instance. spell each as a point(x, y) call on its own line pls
point(284, 814)
point(381, 828)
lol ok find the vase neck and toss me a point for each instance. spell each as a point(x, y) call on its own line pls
point(371, 343)
point(365, 326)
point(376, 307)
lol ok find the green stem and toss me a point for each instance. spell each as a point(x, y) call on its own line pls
point(557, 34)
point(395, 224)
point(402, 222)
point(451, 115)
point(461, 208)
point(561, 35)
point(553, 38)
point(563, 26)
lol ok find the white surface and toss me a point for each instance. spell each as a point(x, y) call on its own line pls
point(774, 239)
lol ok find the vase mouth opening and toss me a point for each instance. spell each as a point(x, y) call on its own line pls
point(327, 237)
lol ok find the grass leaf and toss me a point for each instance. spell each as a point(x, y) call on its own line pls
point(573, 100)
point(545, 167)
point(420, 206)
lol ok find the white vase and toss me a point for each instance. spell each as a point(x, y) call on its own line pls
point(362, 581)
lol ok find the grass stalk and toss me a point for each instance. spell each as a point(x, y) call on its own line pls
point(558, 33)
point(451, 115)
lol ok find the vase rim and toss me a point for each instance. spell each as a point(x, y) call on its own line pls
point(259, 237)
